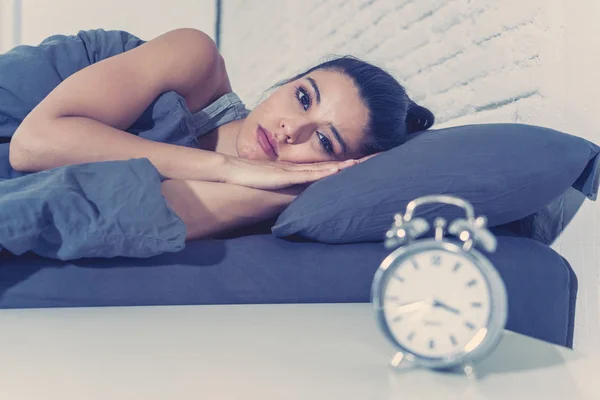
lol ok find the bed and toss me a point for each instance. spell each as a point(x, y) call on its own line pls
point(81, 235)
point(262, 268)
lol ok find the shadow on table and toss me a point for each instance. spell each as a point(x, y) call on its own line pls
point(512, 356)
point(520, 367)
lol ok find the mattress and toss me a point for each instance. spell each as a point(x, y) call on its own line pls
point(258, 269)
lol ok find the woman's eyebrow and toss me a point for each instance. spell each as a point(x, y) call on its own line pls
point(315, 88)
point(336, 133)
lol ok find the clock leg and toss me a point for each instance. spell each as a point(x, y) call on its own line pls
point(469, 370)
point(397, 361)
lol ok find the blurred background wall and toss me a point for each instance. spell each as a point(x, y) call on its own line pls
point(30, 21)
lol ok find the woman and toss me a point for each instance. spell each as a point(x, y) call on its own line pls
point(235, 167)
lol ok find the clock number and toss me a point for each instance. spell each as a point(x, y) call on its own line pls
point(414, 263)
point(472, 282)
point(436, 260)
point(431, 344)
point(453, 340)
point(456, 267)
point(476, 304)
point(469, 325)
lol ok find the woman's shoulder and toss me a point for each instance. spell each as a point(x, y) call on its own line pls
point(194, 60)
point(189, 58)
point(101, 43)
point(200, 52)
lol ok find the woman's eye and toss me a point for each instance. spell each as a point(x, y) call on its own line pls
point(303, 98)
point(325, 142)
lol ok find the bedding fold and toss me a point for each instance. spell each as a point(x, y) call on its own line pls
point(102, 209)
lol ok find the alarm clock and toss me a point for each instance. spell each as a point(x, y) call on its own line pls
point(439, 301)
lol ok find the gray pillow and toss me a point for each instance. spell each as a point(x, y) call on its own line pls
point(508, 172)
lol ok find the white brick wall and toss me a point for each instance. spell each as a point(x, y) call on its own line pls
point(470, 61)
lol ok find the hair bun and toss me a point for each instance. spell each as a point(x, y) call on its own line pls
point(418, 118)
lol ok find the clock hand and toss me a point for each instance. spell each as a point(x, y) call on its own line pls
point(414, 306)
point(437, 303)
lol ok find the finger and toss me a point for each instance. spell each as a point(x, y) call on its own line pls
point(299, 177)
point(348, 163)
point(333, 163)
point(342, 164)
point(321, 166)
point(365, 158)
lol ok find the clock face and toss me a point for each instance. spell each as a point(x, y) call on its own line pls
point(436, 302)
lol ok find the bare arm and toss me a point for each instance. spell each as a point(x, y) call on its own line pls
point(84, 118)
point(209, 209)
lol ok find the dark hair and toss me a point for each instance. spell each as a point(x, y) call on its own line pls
point(392, 114)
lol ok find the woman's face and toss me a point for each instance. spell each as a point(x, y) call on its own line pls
point(319, 117)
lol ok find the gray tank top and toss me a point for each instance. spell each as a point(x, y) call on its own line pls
point(169, 120)
point(225, 109)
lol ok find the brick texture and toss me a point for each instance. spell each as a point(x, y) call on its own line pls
point(469, 61)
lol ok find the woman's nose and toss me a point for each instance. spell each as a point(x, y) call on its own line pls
point(292, 130)
point(286, 128)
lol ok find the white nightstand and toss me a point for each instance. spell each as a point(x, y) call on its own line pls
point(283, 352)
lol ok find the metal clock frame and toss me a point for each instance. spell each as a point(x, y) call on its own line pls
point(498, 298)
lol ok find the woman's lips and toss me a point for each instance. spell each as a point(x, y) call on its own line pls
point(266, 142)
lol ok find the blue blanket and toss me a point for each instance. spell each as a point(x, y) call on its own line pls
point(29, 73)
point(103, 209)
point(92, 210)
